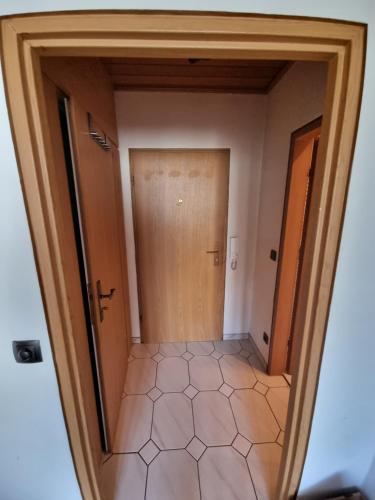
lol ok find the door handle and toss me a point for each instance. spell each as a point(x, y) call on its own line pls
point(216, 254)
point(101, 296)
point(108, 295)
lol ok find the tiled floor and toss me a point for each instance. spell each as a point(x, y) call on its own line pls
point(199, 421)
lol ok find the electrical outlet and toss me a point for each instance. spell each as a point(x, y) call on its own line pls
point(273, 255)
point(27, 351)
point(265, 338)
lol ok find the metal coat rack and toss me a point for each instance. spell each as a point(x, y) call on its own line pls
point(100, 139)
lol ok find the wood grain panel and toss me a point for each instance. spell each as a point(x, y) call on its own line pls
point(64, 213)
point(100, 198)
point(123, 249)
point(194, 74)
point(98, 194)
point(88, 80)
point(192, 70)
point(180, 209)
point(193, 62)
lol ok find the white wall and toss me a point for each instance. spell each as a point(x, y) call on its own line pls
point(35, 460)
point(368, 485)
point(178, 120)
point(341, 448)
point(295, 101)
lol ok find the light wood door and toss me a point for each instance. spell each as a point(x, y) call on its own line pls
point(100, 209)
point(71, 261)
point(180, 203)
point(99, 194)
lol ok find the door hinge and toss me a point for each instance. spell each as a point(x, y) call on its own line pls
point(132, 180)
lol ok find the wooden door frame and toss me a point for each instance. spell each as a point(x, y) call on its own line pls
point(279, 344)
point(26, 38)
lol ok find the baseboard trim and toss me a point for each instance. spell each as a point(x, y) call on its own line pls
point(235, 336)
point(226, 336)
point(257, 352)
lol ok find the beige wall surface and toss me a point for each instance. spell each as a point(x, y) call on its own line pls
point(296, 100)
point(180, 120)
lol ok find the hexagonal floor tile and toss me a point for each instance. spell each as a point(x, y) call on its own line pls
point(173, 375)
point(244, 354)
point(124, 473)
point(213, 418)
point(224, 475)
point(205, 373)
point(278, 398)
point(173, 475)
point(264, 463)
point(172, 348)
point(237, 372)
point(261, 388)
point(200, 348)
point(228, 346)
point(172, 425)
point(281, 438)
point(134, 424)
point(254, 418)
point(141, 376)
point(144, 350)
point(262, 376)
point(247, 346)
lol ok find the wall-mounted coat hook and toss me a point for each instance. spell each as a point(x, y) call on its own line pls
point(100, 139)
